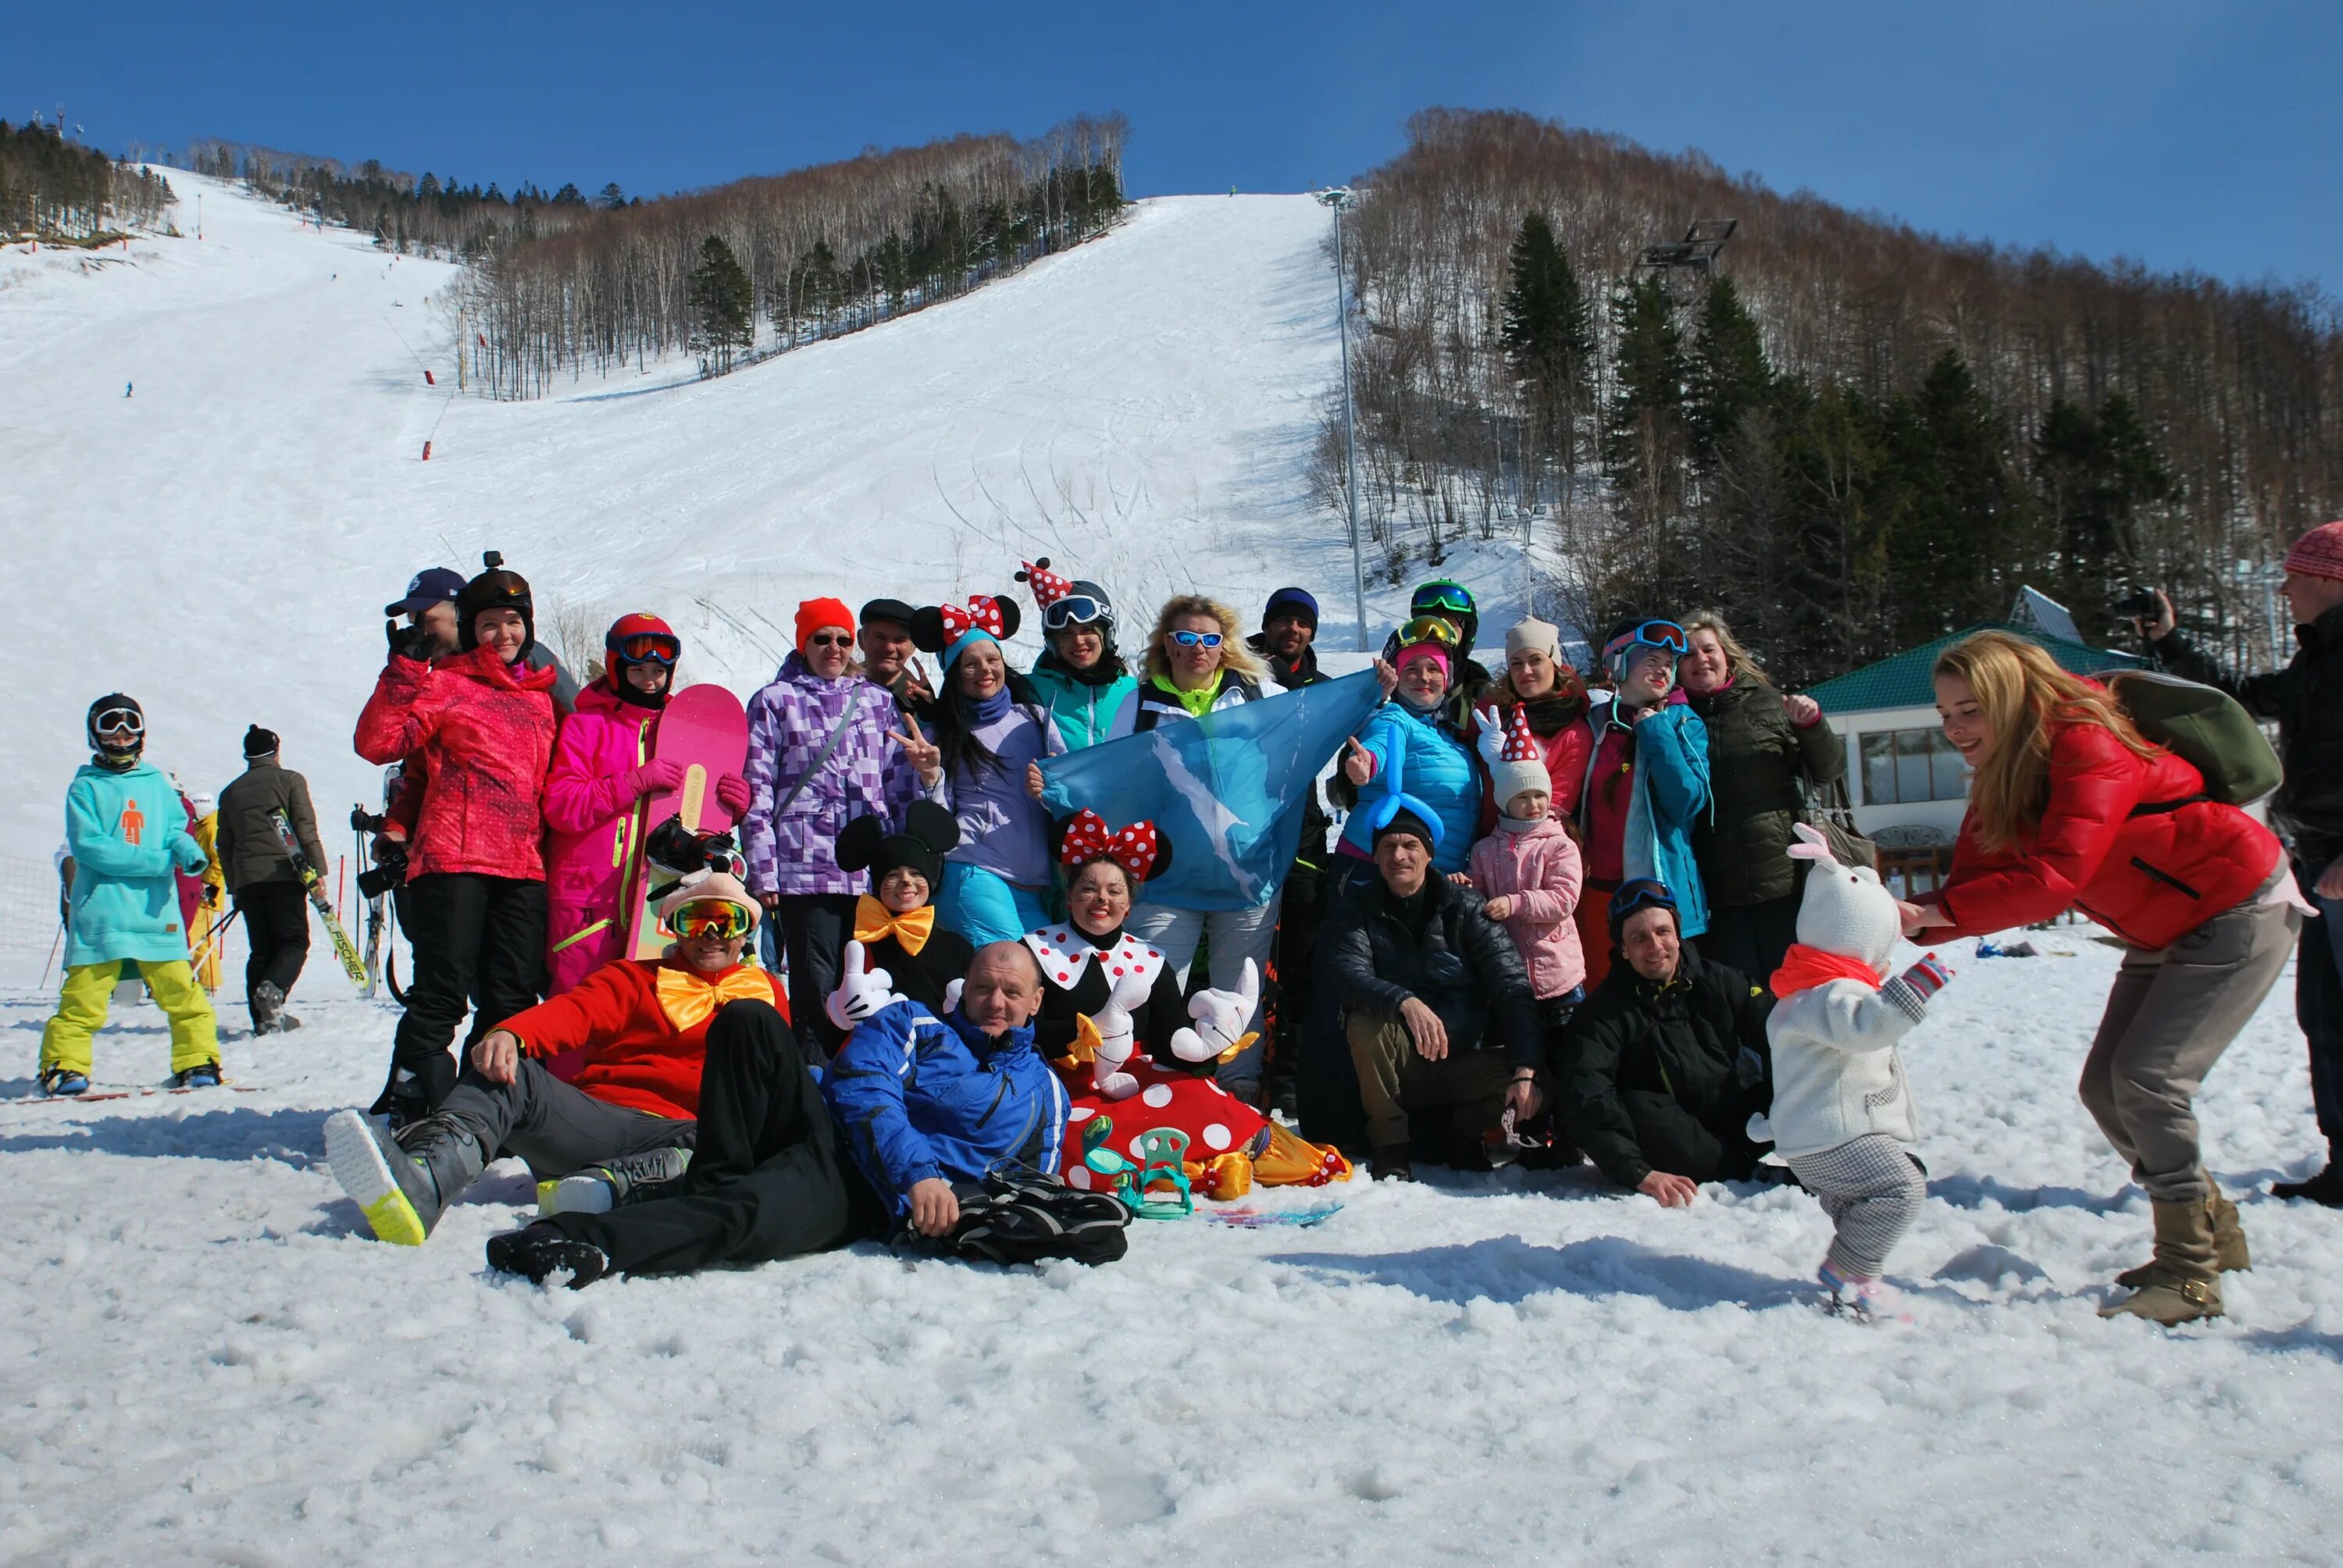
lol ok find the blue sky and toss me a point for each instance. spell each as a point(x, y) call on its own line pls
point(2182, 134)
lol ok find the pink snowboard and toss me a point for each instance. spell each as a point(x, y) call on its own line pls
point(704, 728)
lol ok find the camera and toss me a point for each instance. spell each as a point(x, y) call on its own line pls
point(389, 871)
point(2140, 604)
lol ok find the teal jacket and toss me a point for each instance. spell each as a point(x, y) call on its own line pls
point(128, 833)
point(1671, 794)
point(1083, 712)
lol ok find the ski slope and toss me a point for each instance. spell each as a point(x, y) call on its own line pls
point(207, 1359)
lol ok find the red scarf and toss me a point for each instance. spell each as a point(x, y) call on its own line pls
point(1803, 968)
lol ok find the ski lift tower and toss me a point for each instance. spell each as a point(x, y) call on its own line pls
point(1692, 259)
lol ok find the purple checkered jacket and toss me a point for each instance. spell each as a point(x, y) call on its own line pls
point(866, 775)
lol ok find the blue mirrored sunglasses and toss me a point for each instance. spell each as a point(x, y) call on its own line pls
point(1197, 638)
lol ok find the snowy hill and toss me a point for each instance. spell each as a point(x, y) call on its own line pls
point(220, 543)
point(207, 1358)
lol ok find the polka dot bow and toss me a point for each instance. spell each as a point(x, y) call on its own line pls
point(1521, 746)
point(1089, 838)
point(1047, 586)
point(982, 614)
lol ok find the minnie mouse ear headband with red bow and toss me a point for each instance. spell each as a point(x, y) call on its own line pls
point(950, 629)
point(1138, 848)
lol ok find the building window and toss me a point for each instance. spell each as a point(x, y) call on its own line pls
point(1903, 766)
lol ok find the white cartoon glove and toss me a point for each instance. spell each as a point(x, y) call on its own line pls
point(861, 991)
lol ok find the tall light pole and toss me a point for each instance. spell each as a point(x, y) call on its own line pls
point(1339, 198)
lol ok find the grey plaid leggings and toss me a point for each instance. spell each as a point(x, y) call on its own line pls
point(1872, 1190)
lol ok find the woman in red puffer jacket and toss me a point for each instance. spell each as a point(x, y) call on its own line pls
point(479, 724)
point(2071, 807)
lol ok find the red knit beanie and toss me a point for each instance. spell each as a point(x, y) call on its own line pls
point(816, 613)
point(2319, 552)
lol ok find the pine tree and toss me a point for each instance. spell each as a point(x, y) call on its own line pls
point(1549, 343)
point(1961, 528)
point(723, 305)
point(612, 197)
point(1730, 374)
point(1644, 442)
point(2092, 475)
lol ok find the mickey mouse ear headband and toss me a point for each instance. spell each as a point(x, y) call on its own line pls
point(1140, 850)
point(950, 629)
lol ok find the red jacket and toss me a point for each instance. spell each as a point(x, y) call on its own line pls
point(635, 1054)
point(2150, 877)
point(481, 733)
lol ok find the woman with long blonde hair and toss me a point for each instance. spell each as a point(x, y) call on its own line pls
point(1197, 663)
point(2070, 806)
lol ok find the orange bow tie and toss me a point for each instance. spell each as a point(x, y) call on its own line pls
point(875, 922)
point(688, 998)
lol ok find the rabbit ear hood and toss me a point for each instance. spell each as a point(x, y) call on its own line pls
point(1844, 909)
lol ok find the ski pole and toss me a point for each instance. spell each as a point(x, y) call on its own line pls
point(55, 944)
point(215, 936)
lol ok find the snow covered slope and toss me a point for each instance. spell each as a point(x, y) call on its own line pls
point(219, 544)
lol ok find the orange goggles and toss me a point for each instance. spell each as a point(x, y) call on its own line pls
point(718, 918)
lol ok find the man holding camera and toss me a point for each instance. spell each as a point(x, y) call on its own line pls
point(2305, 697)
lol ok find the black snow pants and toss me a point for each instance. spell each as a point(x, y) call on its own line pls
point(769, 1178)
point(471, 933)
point(276, 934)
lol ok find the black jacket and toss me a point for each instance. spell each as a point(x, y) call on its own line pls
point(1317, 822)
point(1684, 1041)
point(2305, 697)
point(250, 851)
point(1757, 758)
point(1466, 969)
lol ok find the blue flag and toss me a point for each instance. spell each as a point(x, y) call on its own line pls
point(1227, 790)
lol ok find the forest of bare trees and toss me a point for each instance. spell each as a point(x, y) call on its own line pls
point(564, 285)
point(1866, 436)
point(52, 188)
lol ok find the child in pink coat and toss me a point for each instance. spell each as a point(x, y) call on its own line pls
point(1529, 870)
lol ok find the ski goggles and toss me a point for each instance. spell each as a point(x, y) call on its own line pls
point(1197, 638)
point(650, 647)
point(1430, 628)
point(117, 720)
point(1074, 610)
point(1453, 599)
point(1639, 893)
point(718, 918)
point(1660, 634)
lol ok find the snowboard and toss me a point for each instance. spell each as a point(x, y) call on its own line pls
point(313, 883)
point(704, 728)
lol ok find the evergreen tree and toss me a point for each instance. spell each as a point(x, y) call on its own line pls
point(1645, 442)
point(1730, 375)
point(1960, 538)
point(723, 303)
point(1549, 343)
point(2092, 475)
point(612, 197)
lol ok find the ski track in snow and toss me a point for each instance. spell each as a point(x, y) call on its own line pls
point(210, 1359)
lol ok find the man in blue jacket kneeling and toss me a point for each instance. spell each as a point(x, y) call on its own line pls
point(960, 1125)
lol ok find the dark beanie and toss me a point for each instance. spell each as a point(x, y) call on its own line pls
point(1293, 601)
point(259, 743)
point(1406, 821)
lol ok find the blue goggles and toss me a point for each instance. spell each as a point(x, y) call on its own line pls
point(1197, 638)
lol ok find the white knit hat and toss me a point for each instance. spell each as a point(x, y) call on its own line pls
point(1511, 754)
point(1843, 909)
point(1542, 634)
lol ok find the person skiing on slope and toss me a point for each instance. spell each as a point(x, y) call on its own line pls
point(478, 728)
point(126, 835)
point(602, 765)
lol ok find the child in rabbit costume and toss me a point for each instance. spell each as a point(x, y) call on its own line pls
point(1842, 1111)
point(1114, 1024)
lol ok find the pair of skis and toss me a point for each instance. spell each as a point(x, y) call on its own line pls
point(313, 883)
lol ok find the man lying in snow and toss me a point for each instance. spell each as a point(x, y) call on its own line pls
point(959, 1121)
point(692, 1051)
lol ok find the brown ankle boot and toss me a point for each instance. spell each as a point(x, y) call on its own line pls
point(2230, 1253)
point(2184, 1283)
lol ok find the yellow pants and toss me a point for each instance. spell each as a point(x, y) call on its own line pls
point(89, 994)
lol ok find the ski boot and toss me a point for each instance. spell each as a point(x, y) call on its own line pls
point(268, 1008)
point(543, 1251)
point(629, 1180)
point(58, 1081)
point(203, 1075)
point(401, 1183)
point(2324, 1189)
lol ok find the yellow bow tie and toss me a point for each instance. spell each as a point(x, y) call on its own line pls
point(689, 997)
point(874, 922)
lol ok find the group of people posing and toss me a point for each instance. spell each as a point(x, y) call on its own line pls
point(1537, 915)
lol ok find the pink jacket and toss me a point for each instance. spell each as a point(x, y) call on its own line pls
point(590, 792)
point(1540, 870)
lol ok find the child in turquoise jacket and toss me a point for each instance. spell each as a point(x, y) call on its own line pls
point(126, 830)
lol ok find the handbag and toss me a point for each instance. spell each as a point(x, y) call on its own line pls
point(1830, 811)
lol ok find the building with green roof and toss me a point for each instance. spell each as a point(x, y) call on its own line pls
point(1907, 783)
